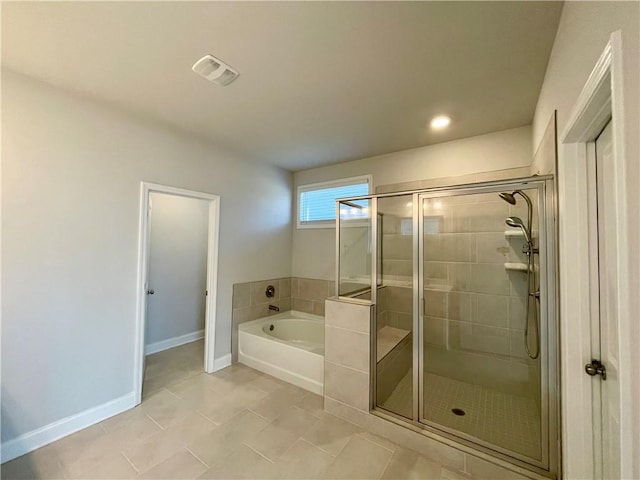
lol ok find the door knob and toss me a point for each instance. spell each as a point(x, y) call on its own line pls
point(151, 291)
point(596, 368)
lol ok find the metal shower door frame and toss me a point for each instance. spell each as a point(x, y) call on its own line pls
point(548, 334)
point(549, 325)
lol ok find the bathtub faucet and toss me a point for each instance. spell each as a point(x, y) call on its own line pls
point(274, 308)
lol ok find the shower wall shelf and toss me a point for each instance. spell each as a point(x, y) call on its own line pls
point(514, 233)
point(519, 267)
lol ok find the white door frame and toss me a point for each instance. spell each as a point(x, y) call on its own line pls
point(601, 99)
point(143, 262)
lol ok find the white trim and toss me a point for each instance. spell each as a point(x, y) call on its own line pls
point(222, 362)
point(212, 286)
point(143, 262)
point(61, 428)
point(600, 99)
point(173, 342)
point(340, 182)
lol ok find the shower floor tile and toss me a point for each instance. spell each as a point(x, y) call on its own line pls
point(507, 421)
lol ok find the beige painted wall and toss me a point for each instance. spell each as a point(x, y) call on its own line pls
point(71, 173)
point(583, 32)
point(314, 249)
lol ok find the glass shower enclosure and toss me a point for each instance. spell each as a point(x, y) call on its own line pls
point(465, 336)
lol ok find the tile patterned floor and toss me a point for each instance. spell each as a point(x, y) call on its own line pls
point(508, 421)
point(235, 423)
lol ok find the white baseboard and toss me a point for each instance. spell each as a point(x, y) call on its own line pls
point(49, 433)
point(173, 342)
point(222, 362)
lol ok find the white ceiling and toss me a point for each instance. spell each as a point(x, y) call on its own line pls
point(320, 82)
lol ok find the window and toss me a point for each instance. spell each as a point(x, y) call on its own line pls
point(317, 201)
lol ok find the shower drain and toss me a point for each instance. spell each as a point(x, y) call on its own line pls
point(458, 411)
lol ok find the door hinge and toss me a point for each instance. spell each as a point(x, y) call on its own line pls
point(596, 368)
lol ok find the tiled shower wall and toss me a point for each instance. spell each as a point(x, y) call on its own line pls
point(474, 307)
point(291, 293)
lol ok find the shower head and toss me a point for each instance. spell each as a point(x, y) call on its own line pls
point(508, 197)
point(518, 223)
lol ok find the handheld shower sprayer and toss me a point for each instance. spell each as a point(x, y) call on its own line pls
point(528, 249)
point(516, 222)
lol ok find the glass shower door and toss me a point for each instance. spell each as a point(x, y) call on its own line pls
point(476, 379)
point(395, 305)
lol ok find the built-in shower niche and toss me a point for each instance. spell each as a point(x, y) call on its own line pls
point(451, 280)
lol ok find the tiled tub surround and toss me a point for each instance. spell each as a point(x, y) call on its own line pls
point(308, 294)
point(347, 375)
point(291, 293)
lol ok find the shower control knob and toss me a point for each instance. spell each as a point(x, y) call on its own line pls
point(596, 368)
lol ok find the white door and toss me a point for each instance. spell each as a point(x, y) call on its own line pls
point(608, 311)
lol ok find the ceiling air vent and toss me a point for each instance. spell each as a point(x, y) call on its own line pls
point(215, 70)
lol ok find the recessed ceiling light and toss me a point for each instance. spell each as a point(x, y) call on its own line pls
point(440, 121)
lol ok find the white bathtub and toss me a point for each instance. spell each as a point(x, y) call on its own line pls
point(289, 346)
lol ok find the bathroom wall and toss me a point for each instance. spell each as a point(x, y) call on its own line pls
point(71, 173)
point(493, 175)
point(314, 249)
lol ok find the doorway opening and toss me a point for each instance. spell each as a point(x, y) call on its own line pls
point(177, 278)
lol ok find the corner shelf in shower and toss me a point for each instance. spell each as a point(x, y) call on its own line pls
point(513, 233)
point(518, 267)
